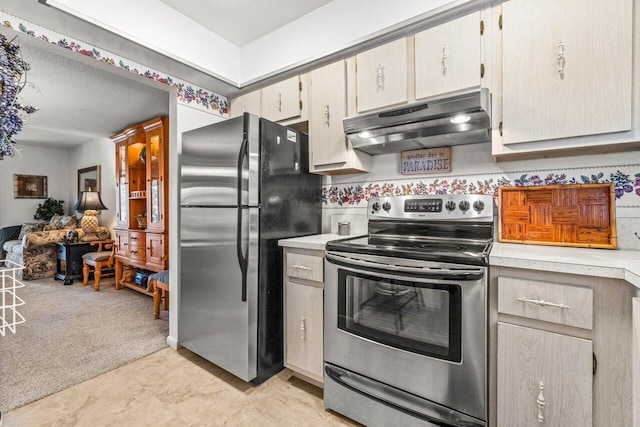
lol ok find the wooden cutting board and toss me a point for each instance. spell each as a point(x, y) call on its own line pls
point(581, 215)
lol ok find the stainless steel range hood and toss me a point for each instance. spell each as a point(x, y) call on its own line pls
point(454, 120)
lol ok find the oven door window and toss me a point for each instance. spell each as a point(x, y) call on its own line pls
point(423, 318)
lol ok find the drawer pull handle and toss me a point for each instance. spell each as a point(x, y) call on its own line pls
point(302, 267)
point(303, 329)
point(543, 303)
point(541, 403)
point(445, 56)
point(380, 78)
point(561, 59)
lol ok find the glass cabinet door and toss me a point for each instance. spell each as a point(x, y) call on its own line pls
point(123, 185)
point(155, 184)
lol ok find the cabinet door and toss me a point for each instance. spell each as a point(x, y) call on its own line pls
point(543, 378)
point(137, 176)
point(281, 101)
point(155, 250)
point(122, 242)
point(247, 103)
point(566, 68)
point(328, 107)
point(381, 76)
point(122, 185)
point(303, 328)
point(155, 179)
point(447, 57)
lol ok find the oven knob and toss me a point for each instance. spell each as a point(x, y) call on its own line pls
point(376, 206)
point(450, 205)
point(464, 206)
point(386, 206)
point(478, 206)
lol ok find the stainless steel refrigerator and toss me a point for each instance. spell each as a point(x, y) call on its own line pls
point(245, 183)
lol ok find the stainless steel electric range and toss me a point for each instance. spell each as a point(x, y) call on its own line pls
point(406, 313)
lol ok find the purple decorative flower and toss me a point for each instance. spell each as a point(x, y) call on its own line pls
point(12, 79)
point(628, 188)
point(619, 192)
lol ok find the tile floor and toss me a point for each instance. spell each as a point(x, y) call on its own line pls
point(179, 388)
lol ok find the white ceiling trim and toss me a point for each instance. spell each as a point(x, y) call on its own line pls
point(165, 31)
point(337, 25)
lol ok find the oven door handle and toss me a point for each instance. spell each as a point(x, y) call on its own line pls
point(468, 274)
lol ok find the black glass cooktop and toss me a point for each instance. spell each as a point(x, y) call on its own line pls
point(452, 243)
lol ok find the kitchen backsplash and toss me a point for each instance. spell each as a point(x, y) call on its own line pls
point(474, 171)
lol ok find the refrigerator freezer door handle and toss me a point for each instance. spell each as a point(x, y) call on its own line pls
point(242, 257)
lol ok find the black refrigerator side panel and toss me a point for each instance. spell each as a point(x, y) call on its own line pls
point(290, 206)
point(270, 311)
point(290, 197)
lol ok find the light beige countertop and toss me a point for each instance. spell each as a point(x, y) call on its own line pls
point(314, 242)
point(610, 263)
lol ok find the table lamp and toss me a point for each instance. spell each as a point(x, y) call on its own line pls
point(89, 203)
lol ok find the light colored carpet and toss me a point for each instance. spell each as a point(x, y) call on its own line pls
point(71, 334)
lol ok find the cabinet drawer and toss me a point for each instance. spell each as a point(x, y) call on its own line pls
point(304, 266)
point(137, 248)
point(550, 302)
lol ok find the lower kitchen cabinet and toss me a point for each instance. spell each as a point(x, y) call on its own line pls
point(543, 378)
point(562, 349)
point(304, 329)
point(303, 314)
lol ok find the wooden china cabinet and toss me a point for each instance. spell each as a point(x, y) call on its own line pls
point(141, 231)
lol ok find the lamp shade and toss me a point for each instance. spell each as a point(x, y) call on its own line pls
point(89, 200)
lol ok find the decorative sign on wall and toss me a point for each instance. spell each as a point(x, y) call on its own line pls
point(429, 161)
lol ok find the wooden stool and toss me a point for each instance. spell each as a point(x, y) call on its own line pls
point(99, 259)
point(160, 283)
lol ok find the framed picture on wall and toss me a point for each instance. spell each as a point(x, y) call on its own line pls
point(29, 187)
point(89, 179)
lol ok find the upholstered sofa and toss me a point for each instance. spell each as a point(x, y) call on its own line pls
point(36, 248)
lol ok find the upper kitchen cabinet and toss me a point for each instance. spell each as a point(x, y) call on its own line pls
point(283, 101)
point(447, 57)
point(247, 103)
point(567, 73)
point(331, 153)
point(382, 76)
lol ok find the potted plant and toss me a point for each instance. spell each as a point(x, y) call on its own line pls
point(49, 208)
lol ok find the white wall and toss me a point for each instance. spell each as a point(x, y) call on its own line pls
point(50, 162)
point(99, 152)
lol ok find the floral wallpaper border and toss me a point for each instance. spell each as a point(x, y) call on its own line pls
point(188, 93)
point(626, 180)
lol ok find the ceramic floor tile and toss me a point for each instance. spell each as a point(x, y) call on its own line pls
point(170, 388)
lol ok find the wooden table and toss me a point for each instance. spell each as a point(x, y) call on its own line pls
point(69, 263)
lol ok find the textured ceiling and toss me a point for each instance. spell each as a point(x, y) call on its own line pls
point(78, 102)
point(242, 21)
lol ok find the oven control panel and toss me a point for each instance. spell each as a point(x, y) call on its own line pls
point(432, 207)
point(423, 205)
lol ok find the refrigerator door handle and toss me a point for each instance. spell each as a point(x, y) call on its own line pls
point(242, 256)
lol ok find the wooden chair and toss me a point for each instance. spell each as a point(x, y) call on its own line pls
point(102, 258)
point(159, 282)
